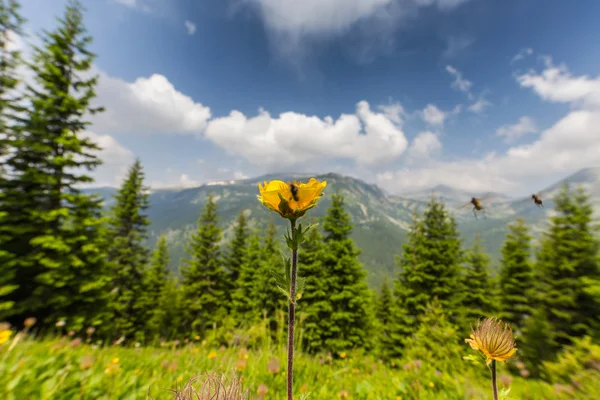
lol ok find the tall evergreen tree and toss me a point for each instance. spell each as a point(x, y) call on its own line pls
point(479, 294)
point(10, 59)
point(57, 237)
point(314, 304)
point(245, 307)
point(203, 274)
point(430, 267)
point(516, 276)
point(156, 281)
point(384, 313)
point(128, 255)
point(234, 260)
point(568, 255)
point(350, 319)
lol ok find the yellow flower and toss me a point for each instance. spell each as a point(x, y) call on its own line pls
point(494, 339)
point(431, 384)
point(291, 200)
point(212, 354)
point(115, 360)
point(5, 335)
point(179, 378)
point(342, 355)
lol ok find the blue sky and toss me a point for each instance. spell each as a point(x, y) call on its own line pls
point(477, 94)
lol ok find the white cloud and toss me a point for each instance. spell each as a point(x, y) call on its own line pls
point(367, 137)
point(115, 157)
point(190, 27)
point(572, 143)
point(557, 84)
point(424, 145)
point(522, 54)
point(479, 105)
point(455, 44)
point(524, 126)
point(148, 105)
point(394, 112)
point(135, 4)
point(433, 115)
point(460, 83)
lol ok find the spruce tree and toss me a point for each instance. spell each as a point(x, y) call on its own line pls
point(128, 255)
point(269, 299)
point(478, 301)
point(430, 267)
point(10, 60)
point(516, 276)
point(314, 304)
point(155, 284)
point(204, 278)
point(350, 320)
point(568, 255)
point(234, 260)
point(244, 305)
point(384, 313)
point(57, 229)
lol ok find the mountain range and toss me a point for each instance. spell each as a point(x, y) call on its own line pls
point(380, 220)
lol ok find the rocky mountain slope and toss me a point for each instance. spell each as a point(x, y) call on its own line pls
point(380, 221)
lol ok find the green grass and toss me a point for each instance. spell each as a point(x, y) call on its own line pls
point(62, 369)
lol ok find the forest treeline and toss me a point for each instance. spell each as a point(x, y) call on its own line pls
point(66, 262)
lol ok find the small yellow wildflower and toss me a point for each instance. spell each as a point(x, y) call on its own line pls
point(304, 388)
point(431, 384)
point(398, 397)
point(342, 355)
point(494, 339)
point(212, 354)
point(291, 200)
point(5, 335)
point(115, 360)
point(179, 378)
point(197, 337)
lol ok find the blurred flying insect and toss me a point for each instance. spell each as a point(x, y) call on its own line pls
point(537, 199)
point(477, 206)
point(294, 190)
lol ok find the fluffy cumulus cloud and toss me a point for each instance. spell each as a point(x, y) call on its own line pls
point(293, 139)
point(572, 143)
point(424, 145)
point(147, 105)
point(433, 116)
point(524, 126)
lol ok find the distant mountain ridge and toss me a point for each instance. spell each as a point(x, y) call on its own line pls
point(381, 221)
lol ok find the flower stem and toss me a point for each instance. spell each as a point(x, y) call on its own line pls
point(494, 385)
point(292, 315)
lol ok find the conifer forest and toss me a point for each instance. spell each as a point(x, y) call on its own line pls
point(91, 306)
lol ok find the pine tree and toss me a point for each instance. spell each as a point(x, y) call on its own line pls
point(516, 276)
point(269, 299)
point(430, 268)
point(237, 249)
point(156, 280)
point(350, 319)
point(244, 306)
point(568, 255)
point(10, 60)
point(314, 304)
point(58, 235)
point(384, 313)
point(203, 274)
point(128, 256)
point(479, 294)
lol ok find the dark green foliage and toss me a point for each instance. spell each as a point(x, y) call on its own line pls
point(244, 305)
point(10, 60)
point(128, 256)
point(204, 282)
point(430, 267)
point(56, 240)
point(268, 298)
point(478, 301)
point(349, 322)
point(315, 304)
point(234, 260)
point(384, 313)
point(536, 343)
point(569, 255)
point(516, 276)
point(156, 279)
